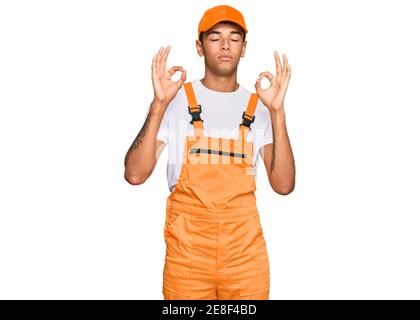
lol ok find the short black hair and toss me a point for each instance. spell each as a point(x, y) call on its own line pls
point(225, 22)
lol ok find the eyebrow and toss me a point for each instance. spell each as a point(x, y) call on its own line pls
point(218, 32)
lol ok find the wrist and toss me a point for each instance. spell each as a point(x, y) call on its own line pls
point(158, 106)
point(278, 117)
point(277, 111)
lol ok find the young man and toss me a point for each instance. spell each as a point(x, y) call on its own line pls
point(214, 129)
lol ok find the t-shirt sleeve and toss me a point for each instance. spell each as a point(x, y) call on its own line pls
point(268, 135)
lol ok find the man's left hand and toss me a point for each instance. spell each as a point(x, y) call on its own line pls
point(273, 96)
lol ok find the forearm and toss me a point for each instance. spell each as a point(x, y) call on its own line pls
point(282, 167)
point(140, 158)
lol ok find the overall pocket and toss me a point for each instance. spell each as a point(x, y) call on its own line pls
point(177, 269)
point(170, 221)
point(253, 264)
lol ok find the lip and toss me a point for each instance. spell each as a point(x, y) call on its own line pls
point(225, 58)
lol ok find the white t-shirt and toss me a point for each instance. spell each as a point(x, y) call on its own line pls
point(221, 113)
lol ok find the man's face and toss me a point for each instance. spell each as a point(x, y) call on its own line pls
point(222, 39)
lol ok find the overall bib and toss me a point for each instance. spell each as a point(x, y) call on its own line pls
point(215, 248)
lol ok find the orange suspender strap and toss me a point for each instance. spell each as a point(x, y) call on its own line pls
point(248, 115)
point(194, 109)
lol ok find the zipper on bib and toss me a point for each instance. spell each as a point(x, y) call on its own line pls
point(219, 152)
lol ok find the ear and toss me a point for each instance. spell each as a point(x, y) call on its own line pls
point(199, 47)
point(243, 49)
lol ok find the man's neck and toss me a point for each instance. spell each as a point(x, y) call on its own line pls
point(221, 84)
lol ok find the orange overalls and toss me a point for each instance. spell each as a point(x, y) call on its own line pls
point(215, 248)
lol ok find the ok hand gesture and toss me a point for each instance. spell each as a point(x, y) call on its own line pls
point(164, 88)
point(273, 96)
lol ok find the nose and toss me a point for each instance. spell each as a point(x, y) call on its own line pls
point(225, 43)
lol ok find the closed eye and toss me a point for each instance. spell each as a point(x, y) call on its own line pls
point(218, 40)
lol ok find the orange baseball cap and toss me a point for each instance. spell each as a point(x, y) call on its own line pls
point(220, 13)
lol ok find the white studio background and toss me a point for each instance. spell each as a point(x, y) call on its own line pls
point(75, 86)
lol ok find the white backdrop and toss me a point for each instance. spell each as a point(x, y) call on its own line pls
point(75, 85)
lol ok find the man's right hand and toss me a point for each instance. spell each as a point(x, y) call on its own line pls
point(164, 88)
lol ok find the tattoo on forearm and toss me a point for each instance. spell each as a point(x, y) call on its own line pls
point(273, 158)
point(142, 133)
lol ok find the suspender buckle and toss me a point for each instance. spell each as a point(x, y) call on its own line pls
point(247, 119)
point(195, 113)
